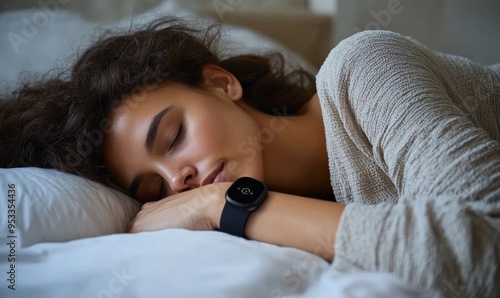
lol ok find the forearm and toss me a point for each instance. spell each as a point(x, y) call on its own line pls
point(293, 221)
point(282, 219)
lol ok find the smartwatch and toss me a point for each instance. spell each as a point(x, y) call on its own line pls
point(242, 198)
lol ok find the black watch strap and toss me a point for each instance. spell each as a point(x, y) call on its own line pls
point(233, 220)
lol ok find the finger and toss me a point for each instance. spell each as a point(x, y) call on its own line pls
point(130, 226)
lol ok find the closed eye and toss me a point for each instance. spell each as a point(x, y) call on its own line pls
point(179, 137)
point(162, 187)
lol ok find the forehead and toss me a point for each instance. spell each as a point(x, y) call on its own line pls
point(144, 104)
point(144, 100)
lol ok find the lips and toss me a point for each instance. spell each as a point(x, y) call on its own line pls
point(219, 177)
point(214, 177)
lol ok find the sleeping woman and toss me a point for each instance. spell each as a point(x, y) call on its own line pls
point(388, 160)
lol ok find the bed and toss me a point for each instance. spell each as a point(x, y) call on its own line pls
point(63, 236)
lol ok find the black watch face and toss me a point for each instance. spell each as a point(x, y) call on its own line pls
point(246, 191)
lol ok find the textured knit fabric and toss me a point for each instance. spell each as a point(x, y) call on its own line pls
point(412, 139)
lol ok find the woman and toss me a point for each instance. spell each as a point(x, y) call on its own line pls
point(401, 143)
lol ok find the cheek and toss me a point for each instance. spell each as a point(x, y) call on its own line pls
point(211, 137)
point(222, 132)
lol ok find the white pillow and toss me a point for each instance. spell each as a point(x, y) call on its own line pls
point(51, 206)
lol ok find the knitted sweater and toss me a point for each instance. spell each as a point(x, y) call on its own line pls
point(413, 149)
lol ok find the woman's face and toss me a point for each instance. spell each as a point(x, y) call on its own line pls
point(175, 138)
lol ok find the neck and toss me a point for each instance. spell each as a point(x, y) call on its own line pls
point(294, 152)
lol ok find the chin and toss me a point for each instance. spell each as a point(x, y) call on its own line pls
point(234, 170)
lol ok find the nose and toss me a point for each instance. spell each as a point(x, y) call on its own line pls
point(180, 180)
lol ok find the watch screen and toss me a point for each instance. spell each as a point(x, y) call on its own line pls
point(247, 190)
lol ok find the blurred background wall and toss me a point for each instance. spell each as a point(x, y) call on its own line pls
point(95, 10)
point(302, 25)
point(469, 28)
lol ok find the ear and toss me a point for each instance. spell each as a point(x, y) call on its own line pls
point(221, 81)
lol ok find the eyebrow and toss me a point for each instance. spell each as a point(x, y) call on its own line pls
point(153, 128)
point(150, 139)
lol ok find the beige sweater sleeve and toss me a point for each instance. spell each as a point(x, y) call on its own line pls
point(412, 139)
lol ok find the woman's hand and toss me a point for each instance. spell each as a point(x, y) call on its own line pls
point(197, 209)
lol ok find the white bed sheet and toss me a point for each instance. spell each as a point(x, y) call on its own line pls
point(181, 263)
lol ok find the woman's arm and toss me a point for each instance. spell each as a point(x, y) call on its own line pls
point(282, 219)
point(303, 223)
point(427, 125)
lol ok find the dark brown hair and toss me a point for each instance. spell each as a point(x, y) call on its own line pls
point(60, 122)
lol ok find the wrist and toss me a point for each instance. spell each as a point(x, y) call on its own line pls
point(217, 202)
point(242, 198)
